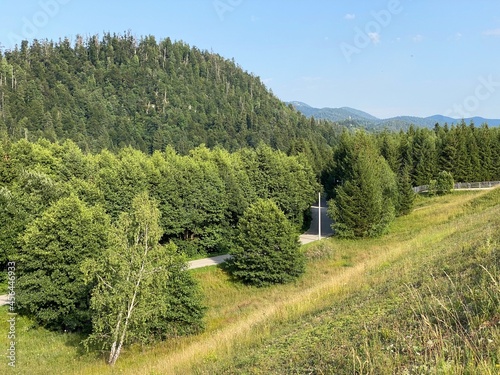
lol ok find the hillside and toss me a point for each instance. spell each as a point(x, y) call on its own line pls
point(353, 117)
point(392, 304)
point(432, 309)
point(118, 91)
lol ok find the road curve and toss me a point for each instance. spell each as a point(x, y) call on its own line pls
point(312, 233)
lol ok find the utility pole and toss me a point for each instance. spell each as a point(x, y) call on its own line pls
point(319, 216)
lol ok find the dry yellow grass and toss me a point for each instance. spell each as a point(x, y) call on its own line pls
point(239, 316)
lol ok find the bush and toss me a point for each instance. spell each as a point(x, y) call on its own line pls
point(444, 183)
point(267, 250)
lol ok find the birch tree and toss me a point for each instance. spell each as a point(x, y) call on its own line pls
point(133, 296)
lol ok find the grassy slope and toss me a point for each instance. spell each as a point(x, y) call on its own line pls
point(363, 306)
point(435, 310)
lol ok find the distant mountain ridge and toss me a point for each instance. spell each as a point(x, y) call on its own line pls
point(356, 117)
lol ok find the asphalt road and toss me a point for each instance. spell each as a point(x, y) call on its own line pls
point(205, 262)
point(310, 236)
point(313, 233)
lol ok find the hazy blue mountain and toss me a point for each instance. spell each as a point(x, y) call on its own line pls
point(354, 117)
point(333, 114)
point(477, 120)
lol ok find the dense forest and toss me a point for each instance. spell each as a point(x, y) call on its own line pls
point(468, 152)
point(201, 195)
point(121, 91)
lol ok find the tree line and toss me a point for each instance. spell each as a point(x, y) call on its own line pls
point(468, 152)
point(201, 195)
point(101, 240)
point(370, 176)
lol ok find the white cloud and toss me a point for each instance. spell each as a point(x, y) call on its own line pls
point(458, 36)
point(350, 16)
point(492, 32)
point(418, 38)
point(374, 37)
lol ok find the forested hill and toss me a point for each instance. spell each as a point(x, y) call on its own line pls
point(117, 91)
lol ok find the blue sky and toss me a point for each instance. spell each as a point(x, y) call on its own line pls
point(389, 58)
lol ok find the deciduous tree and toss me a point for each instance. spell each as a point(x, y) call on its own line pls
point(142, 291)
point(51, 288)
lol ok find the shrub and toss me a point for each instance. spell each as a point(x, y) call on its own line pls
point(267, 250)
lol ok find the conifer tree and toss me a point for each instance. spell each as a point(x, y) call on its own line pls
point(267, 249)
point(366, 202)
point(444, 183)
point(406, 193)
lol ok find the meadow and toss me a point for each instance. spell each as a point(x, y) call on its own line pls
point(423, 298)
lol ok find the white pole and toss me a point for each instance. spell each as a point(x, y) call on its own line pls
point(319, 216)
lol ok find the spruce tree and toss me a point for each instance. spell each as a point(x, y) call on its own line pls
point(366, 202)
point(406, 193)
point(267, 250)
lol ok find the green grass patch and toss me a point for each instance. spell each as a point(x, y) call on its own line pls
point(435, 310)
point(342, 316)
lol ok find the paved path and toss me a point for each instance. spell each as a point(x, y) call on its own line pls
point(326, 230)
point(199, 263)
point(310, 236)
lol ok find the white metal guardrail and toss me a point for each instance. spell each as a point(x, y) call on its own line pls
point(462, 185)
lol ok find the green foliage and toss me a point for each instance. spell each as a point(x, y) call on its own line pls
point(50, 284)
point(432, 190)
point(142, 292)
point(444, 183)
point(266, 248)
point(119, 91)
point(406, 193)
point(270, 173)
point(201, 195)
point(366, 202)
point(192, 197)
